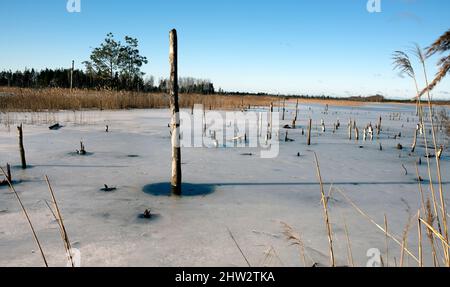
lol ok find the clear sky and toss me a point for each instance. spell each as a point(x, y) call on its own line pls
point(332, 47)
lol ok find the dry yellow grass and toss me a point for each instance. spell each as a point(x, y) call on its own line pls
point(18, 99)
point(24, 99)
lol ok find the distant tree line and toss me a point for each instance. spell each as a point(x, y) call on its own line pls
point(60, 78)
point(112, 65)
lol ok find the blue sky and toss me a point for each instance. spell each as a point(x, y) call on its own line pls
point(332, 47)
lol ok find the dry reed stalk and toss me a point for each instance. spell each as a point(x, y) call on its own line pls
point(405, 241)
point(438, 164)
point(403, 63)
point(439, 235)
point(27, 217)
point(422, 197)
point(326, 214)
point(430, 235)
point(237, 245)
point(386, 239)
point(295, 239)
point(60, 221)
point(419, 228)
point(270, 253)
point(376, 224)
point(349, 246)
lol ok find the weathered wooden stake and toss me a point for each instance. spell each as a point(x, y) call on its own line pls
point(379, 126)
point(22, 150)
point(284, 107)
point(309, 131)
point(350, 131)
point(175, 125)
point(260, 124)
point(8, 173)
point(270, 121)
point(71, 75)
point(415, 141)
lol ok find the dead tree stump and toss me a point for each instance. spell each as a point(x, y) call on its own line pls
point(21, 148)
point(175, 109)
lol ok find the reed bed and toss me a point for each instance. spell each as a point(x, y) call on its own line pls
point(21, 100)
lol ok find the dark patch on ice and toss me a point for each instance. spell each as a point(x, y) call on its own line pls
point(107, 188)
point(14, 183)
point(142, 218)
point(187, 189)
point(247, 154)
point(19, 168)
point(55, 127)
point(132, 155)
point(77, 154)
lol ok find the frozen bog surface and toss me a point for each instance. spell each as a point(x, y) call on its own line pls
point(226, 188)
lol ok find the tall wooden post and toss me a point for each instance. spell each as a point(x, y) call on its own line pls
point(22, 150)
point(71, 75)
point(284, 107)
point(175, 124)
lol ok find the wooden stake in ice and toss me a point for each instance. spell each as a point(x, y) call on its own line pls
point(350, 130)
point(294, 121)
point(379, 126)
point(71, 76)
point(176, 149)
point(260, 124)
point(270, 122)
point(21, 148)
point(8, 173)
point(415, 141)
point(309, 131)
